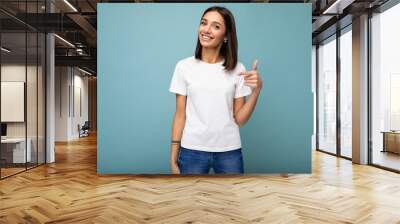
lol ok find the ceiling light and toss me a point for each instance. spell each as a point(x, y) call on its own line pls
point(64, 40)
point(337, 7)
point(70, 5)
point(5, 49)
point(84, 71)
point(329, 9)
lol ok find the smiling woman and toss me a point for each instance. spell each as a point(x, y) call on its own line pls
point(217, 36)
point(210, 90)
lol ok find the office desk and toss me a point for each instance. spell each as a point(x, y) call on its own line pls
point(15, 148)
point(391, 141)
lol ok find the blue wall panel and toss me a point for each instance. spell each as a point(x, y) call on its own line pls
point(138, 48)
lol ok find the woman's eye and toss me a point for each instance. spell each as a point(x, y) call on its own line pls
point(216, 26)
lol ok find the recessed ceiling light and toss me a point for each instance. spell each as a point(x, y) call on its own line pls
point(70, 5)
point(335, 7)
point(5, 49)
point(84, 71)
point(64, 40)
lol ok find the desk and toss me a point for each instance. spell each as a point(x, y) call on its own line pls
point(391, 141)
point(17, 150)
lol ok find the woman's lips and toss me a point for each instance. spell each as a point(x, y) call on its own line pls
point(205, 37)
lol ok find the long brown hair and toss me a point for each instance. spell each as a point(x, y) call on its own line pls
point(229, 49)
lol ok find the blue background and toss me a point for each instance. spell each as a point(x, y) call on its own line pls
point(138, 48)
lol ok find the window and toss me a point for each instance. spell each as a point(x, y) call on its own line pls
point(327, 95)
point(385, 88)
point(346, 92)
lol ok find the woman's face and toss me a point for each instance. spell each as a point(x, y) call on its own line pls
point(212, 30)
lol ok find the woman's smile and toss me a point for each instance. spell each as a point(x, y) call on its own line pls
point(206, 37)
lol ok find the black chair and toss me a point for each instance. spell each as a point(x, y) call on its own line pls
point(84, 130)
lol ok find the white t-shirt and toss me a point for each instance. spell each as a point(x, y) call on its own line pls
point(210, 91)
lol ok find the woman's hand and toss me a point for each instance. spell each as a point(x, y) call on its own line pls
point(175, 168)
point(252, 78)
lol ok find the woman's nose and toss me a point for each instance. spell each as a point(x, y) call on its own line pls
point(207, 29)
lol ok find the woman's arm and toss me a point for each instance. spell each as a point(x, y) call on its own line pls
point(177, 128)
point(244, 108)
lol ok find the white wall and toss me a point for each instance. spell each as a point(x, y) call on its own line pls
point(11, 73)
point(62, 81)
point(15, 72)
point(71, 102)
point(80, 105)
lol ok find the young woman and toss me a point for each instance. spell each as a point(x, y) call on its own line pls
point(210, 92)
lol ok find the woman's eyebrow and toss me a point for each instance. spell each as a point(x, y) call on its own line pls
point(217, 23)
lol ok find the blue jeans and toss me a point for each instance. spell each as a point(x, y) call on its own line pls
point(200, 162)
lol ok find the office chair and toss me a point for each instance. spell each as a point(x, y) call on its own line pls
point(84, 130)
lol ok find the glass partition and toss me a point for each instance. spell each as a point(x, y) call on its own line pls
point(14, 153)
point(41, 87)
point(32, 95)
point(22, 88)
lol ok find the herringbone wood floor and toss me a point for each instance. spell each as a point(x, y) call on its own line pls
point(70, 191)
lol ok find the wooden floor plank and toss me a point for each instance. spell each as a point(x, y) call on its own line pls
point(70, 191)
